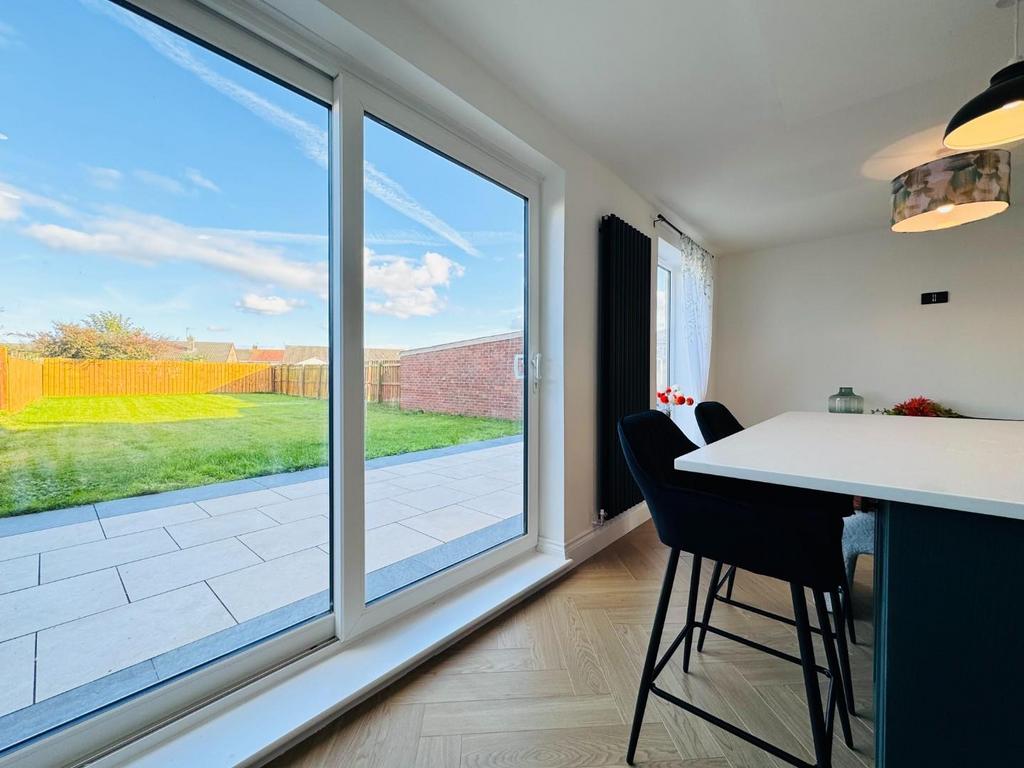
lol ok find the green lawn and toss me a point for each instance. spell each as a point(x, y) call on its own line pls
point(60, 452)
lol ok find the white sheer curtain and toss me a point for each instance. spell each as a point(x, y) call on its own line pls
point(692, 299)
point(697, 294)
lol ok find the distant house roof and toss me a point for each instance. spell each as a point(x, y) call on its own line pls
point(209, 351)
point(244, 355)
point(266, 355)
point(380, 353)
point(305, 355)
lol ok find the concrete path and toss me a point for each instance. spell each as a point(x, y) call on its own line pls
point(100, 601)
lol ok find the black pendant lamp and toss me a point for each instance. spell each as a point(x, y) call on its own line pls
point(995, 116)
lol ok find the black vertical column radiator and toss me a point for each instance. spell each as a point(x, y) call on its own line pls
point(623, 356)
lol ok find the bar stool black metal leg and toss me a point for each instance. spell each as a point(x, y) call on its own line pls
point(844, 651)
point(829, 641)
point(732, 581)
point(691, 611)
point(822, 751)
point(646, 678)
point(848, 608)
point(709, 602)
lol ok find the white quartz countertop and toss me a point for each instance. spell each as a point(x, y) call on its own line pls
point(973, 465)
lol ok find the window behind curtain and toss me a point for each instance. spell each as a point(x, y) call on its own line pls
point(663, 316)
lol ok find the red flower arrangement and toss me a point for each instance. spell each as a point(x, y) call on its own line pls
point(920, 406)
point(672, 396)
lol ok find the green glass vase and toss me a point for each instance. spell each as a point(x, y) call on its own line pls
point(846, 401)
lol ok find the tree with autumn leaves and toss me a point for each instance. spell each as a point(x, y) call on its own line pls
point(100, 336)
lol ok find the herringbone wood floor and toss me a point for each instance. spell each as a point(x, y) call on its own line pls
point(552, 683)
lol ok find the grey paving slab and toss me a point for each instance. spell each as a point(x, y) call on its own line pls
point(222, 527)
point(83, 700)
point(291, 478)
point(478, 485)
point(231, 639)
point(464, 469)
point(372, 476)
point(391, 543)
point(19, 573)
point(432, 498)
point(499, 504)
point(170, 498)
point(420, 480)
point(449, 523)
point(382, 490)
point(160, 517)
point(22, 544)
point(47, 605)
point(284, 539)
point(17, 672)
point(507, 475)
point(387, 579)
point(297, 509)
point(223, 505)
point(97, 555)
point(39, 521)
point(89, 648)
point(308, 488)
point(182, 567)
point(263, 588)
point(386, 511)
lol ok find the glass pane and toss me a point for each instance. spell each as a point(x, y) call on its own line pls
point(163, 349)
point(662, 315)
point(444, 363)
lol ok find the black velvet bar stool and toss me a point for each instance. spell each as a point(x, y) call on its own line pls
point(785, 533)
point(716, 422)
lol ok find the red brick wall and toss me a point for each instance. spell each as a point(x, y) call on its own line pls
point(473, 378)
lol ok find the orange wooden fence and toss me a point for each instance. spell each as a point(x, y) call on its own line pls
point(21, 382)
point(76, 378)
point(300, 381)
point(381, 378)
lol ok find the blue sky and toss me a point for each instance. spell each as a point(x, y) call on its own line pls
point(142, 174)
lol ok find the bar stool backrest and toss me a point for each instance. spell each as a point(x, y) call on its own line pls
point(715, 421)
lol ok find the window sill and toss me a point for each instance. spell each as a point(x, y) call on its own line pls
point(261, 720)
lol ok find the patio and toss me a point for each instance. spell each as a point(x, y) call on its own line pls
point(100, 601)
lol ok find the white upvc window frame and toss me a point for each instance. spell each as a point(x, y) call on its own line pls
point(355, 98)
point(671, 258)
point(349, 98)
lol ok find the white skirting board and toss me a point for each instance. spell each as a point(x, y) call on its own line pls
point(589, 543)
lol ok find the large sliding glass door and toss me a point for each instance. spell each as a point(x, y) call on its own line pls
point(268, 369)
point(164, 359)
point(446, 384)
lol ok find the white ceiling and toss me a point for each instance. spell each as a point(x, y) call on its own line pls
point(761, 122)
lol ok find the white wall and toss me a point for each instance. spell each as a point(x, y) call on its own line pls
point(388, 41)
point(794, 323)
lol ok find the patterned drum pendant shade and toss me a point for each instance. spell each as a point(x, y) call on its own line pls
point(951, 191)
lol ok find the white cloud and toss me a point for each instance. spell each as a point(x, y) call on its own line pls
point(311, 139)
point(151, 239)
point(165, 183)
point(269, 236)
point(217, 328)
point(267, 305)
point(402, 237)
point(199, 180)
point(8, 35)
point(407, 289)
point(391, 193)
point(10, 205)
point(13, 201)
point(104, 178)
